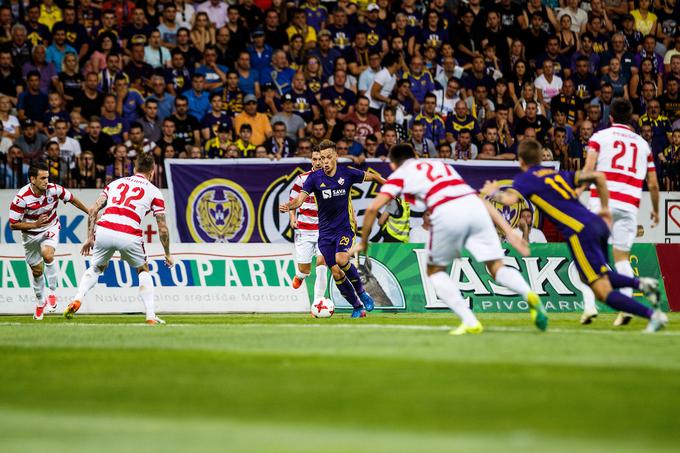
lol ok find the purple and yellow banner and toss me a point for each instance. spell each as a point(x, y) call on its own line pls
point(237, 200)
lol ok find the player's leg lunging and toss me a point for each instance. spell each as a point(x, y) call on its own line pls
point(87, 282)
point(352, 274)
point(51, 275)
point(347, 290)
point(39, 290)
point(513, 280)
point(146, 291)
point(623, 267)
point(446, 290)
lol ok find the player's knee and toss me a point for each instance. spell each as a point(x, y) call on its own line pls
point(493, 266)
point(48, 255)
point(305, 268)
point(320, 261)
point(338, 274)
point(37, 271)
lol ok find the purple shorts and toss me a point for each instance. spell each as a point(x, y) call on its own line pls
point(331, 244)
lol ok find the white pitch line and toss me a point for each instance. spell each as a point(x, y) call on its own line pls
point(346, 326)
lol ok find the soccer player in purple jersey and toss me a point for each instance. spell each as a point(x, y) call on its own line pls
point(332, 185)
point(587, 234)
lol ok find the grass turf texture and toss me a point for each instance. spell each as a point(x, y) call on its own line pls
point(292, 383)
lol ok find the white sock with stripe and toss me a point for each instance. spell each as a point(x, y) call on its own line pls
point(321, 282)
point(146, 291)
point(513, 280)
point(448, 292)
point(52, 274)
point(623, 267)
point(588, 297)
point(301, 275)
point(87, 282)
point(39, 289)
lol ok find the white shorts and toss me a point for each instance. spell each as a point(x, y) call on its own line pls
point(33, 244)
point(107, 242)
point(452, 232)
point(624, 229)
point(306, 247)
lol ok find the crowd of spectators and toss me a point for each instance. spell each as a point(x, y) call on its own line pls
point(89, 85)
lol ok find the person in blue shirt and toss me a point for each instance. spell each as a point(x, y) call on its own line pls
point(215, 74)
point(332, 186)
point(278, 73)
point(554, 193)
point(199, 99)
point(260, 53)
point(58, 49)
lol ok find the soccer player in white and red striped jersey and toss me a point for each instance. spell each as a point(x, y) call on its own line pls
point(626, 161)
point(34, 212)
point(125, 202)
point(306, 226)
point(459, 219)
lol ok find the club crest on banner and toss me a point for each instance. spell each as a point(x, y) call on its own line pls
point(512, 213)
point(219, 210)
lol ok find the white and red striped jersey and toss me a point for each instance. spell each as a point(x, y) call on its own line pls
point(128, 200)
point(307, 213)
point(430, 181)
point(625, 158)
point(27, 206)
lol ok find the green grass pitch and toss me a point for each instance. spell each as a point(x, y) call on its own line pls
point(390, 382)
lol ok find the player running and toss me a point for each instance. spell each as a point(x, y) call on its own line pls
point(34, 212)
point(332, 188)
point(626, 161)
point(306, 226)
point(458, 220)
point(127, 201)
point(553, 192)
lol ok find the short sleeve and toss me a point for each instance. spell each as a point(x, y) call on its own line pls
point(392, 187)
point(522, 185)
point(63, 193)
point(357, 176)
point(593, 145)
point(16, 210)
point(297, 187)
point(308, 186)
point(158, 204)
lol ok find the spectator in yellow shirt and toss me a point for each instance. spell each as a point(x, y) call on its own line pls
point(259, 122)
point(299, 26)
point(50, 14)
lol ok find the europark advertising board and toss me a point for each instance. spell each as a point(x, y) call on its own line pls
point(258, 278)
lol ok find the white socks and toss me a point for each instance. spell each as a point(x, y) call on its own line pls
point(39, 289)
point(301, 275)
point(447, 291)
point(87, 282)
point(513, 280)
point(146, 292)
point(588, 297)
point(321, 282)
point(52, 275)
point(624, 268)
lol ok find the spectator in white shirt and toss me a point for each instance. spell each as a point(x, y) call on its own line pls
point(216, 10)
point(526, 230)
point(69, 148)
point(548, 85)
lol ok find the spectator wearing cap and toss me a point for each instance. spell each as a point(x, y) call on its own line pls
point(260, 52)
point(259, 122)
point(31, 142)
point(295, 125)
point(281, 144)
point(216, 11)
point(376, 34)
point(218, 146)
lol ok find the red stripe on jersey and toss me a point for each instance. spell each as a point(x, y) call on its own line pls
point(296, 188)
point(308, 212)
point(618, 196)
point(409, 198)
point(16, 208)
point(447, 199)
point(443, 185)
point(624, 179)
point(650, 158)
point(124, 212)
point(652, 168)
point(13, 221)
point(396, 182)
point(307, 226)
point(158, 203)
point(594, 145)
point(120, 227)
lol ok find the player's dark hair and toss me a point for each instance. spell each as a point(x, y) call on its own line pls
point(401, 153)
point(145, 163)
point(621, 110)
point(36, 168)
point(530, 151)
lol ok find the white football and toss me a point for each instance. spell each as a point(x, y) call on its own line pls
point(323, 308)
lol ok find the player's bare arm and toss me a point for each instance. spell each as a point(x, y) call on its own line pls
point(80, 205)
point(653, 187)
point(590, 165)
point(370, 215)
point(294, 204)
point(293, 220)
point(374, 177)
point(492, 190)
point(164, 236)
point(22, 226)
point(92, 223)
point(517, 242)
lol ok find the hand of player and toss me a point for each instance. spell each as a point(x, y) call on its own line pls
point(169, 260)
point(655, 218)
point(293, 224)
point(606, 215)
point(283, 207)
point(42, 221)
point(358, 247)
point(87, 247)
point(489, 188)
point(519, 244)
